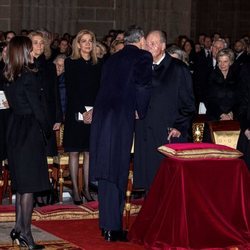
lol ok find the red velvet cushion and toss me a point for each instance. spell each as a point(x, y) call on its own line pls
point(199, 151)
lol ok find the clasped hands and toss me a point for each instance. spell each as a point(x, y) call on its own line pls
point(226, 117)
point(87, 116)
point(5, 104)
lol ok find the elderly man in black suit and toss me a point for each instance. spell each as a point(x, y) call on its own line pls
point(124, 94)
point(204, 66)
point(169, 113)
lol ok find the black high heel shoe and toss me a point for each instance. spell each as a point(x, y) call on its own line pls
point(24, 242)
point(14, 235)
point(38, 203)
point(86, 196)
point(78, 203)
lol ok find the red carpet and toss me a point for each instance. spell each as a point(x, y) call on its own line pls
point(84, 233)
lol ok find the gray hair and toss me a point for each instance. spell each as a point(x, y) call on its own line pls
point(161, 33)
point(225, 45)
point(133, 34)
point(226, 52)
point(60, 56)
point(181, 55)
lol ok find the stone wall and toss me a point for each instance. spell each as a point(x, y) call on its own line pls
point(228, 17)
point(186, 17)
point(70, 16)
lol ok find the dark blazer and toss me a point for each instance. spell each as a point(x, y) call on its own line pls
point(171, 106)
point(125, 88)
point(202, 69)
point(50, 97)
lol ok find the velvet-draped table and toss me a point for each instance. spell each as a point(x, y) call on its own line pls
point(196, 204)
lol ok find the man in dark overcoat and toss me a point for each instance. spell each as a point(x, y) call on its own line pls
point(169, 112)
point(124, 95)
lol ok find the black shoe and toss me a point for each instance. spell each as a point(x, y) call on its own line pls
point(24, 242)
point(123, 236)
point(87, 196)
point(14, 235)
point(78, 203)
point(111, 235)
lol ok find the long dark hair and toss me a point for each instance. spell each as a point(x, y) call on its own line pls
point(18, 57)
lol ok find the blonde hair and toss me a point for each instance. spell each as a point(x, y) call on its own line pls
point(76, 51)
point(47, 50)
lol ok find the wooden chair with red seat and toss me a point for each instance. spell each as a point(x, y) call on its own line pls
point(225, 132)
point(61, 161)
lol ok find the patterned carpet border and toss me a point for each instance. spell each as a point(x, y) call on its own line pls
point(62, 212)
point(51, 245)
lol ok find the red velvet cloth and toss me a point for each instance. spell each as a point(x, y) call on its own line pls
point(198, 204)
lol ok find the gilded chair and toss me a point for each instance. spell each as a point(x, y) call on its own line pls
point(225, 132)
point(198, 126)
point(5, 183)
point(61, 161)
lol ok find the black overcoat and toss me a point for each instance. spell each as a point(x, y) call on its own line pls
point(125, 87)
point(28, 131)
point(244, 112)
point(50, 97)
point(221, 94)
point(171, 106)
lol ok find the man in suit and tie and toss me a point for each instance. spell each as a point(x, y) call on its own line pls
point(204, 65)
point(123, 96)
point(169, 113)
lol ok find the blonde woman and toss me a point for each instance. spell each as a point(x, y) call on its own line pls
point(49, 91)
point(82, 79)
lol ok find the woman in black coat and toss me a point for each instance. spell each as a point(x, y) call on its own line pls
point(48, 85)
point(49, 92)
point(221, 101)
point(28, 131)
point(82, 79)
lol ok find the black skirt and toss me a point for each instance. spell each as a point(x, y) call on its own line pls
point(26, 148)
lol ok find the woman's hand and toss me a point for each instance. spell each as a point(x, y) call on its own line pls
point(56, 126)
point(247, 134)
point(87, 116)
point(226, 117)
point(6, 104)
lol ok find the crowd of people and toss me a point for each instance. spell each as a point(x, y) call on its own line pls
point(107, 93)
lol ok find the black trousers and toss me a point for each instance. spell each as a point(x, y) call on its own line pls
point(111, 205)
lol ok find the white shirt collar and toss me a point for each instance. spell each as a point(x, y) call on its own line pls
point(160, 59)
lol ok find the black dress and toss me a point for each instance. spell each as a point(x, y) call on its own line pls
point(82, 79)
point(28, 130)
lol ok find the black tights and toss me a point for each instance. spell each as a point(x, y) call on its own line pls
point(24, 209)
point(73, 167)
